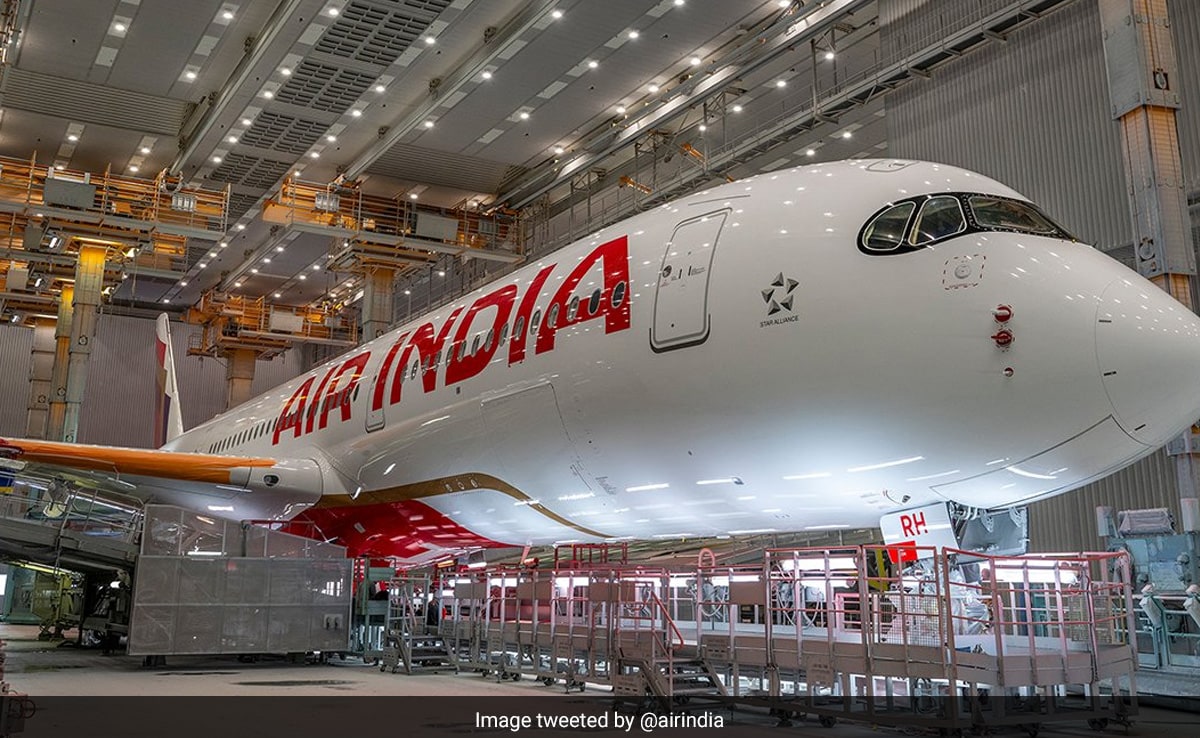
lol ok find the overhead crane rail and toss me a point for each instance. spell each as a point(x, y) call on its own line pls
point(392, 231)
point(232, 322)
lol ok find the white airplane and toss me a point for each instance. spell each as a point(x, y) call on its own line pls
point(808, 349)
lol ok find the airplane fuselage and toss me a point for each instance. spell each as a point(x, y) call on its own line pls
point(734, 362)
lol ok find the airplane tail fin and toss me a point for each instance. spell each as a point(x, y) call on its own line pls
point(168, 419)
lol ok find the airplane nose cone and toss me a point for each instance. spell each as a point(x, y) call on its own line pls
point(1148, 348)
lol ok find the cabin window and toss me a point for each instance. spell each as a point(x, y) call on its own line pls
point(552, 316)
point(462, 350)
point(594, 302)
point(491, 336)
point(1009, 215)
point(886, 231)
point(414, 369)
point(475, 345)
point(503, 333)
point(573, 309)
point(354, 396)
point(618, 295)
point(519, 329)
point(940, 217)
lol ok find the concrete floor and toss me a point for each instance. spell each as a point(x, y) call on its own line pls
point(81, 692)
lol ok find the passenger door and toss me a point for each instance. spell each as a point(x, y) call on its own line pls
point(681, 315)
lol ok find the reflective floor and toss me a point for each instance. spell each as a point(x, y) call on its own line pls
point(324, 699)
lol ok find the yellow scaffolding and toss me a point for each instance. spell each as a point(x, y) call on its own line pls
point(232, 322)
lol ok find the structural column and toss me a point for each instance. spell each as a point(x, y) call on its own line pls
point(239, 375)
point(89, 281)
point(58, 375)
point(377, 309)
point(41, 369)
point(1143, 84)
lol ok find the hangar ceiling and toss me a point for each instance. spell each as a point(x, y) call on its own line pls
point(536, 106)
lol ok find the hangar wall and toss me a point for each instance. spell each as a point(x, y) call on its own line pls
point(118, 404)
point(1033, 112)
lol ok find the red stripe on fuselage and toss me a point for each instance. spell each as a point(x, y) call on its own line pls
point(406, 529)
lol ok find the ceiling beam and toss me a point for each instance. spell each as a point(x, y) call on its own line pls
point(451, 83)
point(813, 21)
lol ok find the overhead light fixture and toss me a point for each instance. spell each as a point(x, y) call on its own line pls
point(72, 137)
point(784, 3)
point(428, 124)
point(285, 72)
point(314, 154)
point(408, 292)
point(781, 83)
point(222, 244)
point(412, 196)
point(119, 27)
point(316, 267)
point(302, 277)
point(441, 272)
point(144, 150)
point(356, 113)
point(556, 14)
point(279, 249)
point(633, 34)
point(559, 149)
point(227, 15)
point(246, 121)
point(846, 134)
point(183, 283)
point(486, 74)
point(829, 55)
point(216, 160)
point(737, 108)
point(266, 260)
point(679, 3)
point(240, 227)
point(332, 12)
point(523, 115)
point(278, 295)
point(380, 89)
point(166, 301)
point(237, 284)
point(430, 40)
point(268, 94)
point(232, 139)
point(703, 128)
point(189, 75)
point(133, 168)
point(254, 270)
point(810, 152)
point(694, 61)
point(653, 88)
point(331, 138)
point(620, 110)
point(592, 63)
point(201, 265)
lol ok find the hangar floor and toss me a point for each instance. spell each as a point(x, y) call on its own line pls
point(49, 672)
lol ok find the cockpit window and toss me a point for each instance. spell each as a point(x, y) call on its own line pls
point(940, 217)
point(886, 231)
point(920, 222)
point(1009, 215)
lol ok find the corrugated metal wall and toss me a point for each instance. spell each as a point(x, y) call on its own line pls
point(1033, 112)
point(118, 405)
point(16, 344)
point(1185, 20)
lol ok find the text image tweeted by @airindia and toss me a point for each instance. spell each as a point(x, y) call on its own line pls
point(612, 720)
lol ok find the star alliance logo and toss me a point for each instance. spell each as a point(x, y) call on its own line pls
point(779, 298)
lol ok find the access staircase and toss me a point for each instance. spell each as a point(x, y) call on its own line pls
point(409, 644)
